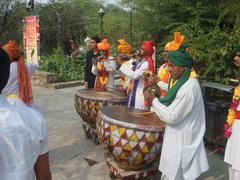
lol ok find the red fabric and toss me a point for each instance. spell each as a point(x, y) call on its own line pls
point(148, 48)
point(237, 115)
point(24, 83)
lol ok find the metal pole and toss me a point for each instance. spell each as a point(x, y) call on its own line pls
point(101, 27)
point(131, 29)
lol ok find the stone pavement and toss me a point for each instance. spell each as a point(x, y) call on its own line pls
point(69, 146)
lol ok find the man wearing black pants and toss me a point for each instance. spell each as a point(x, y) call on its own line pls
point(91, 55)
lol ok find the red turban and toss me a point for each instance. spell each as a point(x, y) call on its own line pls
point(148, 49)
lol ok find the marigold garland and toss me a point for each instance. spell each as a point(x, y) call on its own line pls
point(103, 74)
point(232, 112)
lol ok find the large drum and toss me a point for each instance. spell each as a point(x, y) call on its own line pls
point(132, 137)
point(88, 102)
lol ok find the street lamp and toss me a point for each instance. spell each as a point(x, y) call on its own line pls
point(101, 14)
point(131, 29)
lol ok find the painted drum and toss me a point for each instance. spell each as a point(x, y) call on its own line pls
point(88, 102)
point(131, 137)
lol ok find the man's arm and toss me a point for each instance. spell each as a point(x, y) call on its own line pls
point(137, 74)
point(177, 111)
point(42, 169)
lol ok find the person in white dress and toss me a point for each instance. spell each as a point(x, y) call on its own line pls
point(23, 137)
point(183, 155)
point(232, 130)
point(18, 88)
point(104, 68)
point(136, 70)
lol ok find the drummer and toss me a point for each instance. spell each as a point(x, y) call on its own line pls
point(163, 75)
point(136, 70)
point(104, 67)
point(183, 154)
point(125, 53)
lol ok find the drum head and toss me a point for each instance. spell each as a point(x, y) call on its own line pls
point(131, 118)
point(110, 96)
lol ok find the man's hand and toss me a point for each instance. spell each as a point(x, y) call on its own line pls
point(149, 95)
point(119, 61)
point(153, 79)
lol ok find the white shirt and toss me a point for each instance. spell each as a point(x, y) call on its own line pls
point(110, 67)
point(12, 84)
point(183, 138)
point(23, 137)
point(138, 74)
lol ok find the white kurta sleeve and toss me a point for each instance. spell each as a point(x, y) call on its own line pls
point(94, 69)
point(177, 111)
point(32, 68)
point(137, 74)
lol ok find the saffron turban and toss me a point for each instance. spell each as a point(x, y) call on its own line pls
point(104, 45)
point(176, 43)
point(124, 47)
point(12, 49)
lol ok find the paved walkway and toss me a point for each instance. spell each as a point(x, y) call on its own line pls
point(68, 145)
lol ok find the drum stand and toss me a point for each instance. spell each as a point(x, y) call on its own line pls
point(116, 172)
point(90, 133)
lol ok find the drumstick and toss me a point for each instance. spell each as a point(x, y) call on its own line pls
point(141, 113)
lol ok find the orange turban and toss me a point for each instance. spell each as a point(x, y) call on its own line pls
point(12, 49)
point(175, 44)
point(124, 47)
point(24, 83)
point(104, 45)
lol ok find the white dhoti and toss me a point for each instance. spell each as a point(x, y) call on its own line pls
point(233, 174)
point(179, 176)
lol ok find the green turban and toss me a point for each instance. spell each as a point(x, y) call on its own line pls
point(180, 58)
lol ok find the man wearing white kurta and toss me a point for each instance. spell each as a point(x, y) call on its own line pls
point(232, 152)
point(135, 70)
point(23, 137)
point(137, 75)
point(110, 67)
point(183, 154)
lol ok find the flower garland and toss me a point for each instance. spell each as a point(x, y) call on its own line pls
point(233, 113)
point(103, 74)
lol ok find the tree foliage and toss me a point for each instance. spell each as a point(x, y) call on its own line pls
point(212, 28)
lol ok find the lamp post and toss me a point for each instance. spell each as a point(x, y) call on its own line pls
point(131, 29)
point(101, 14)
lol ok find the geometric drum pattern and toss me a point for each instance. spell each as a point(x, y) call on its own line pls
point(88, 108)
point(131, 149)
